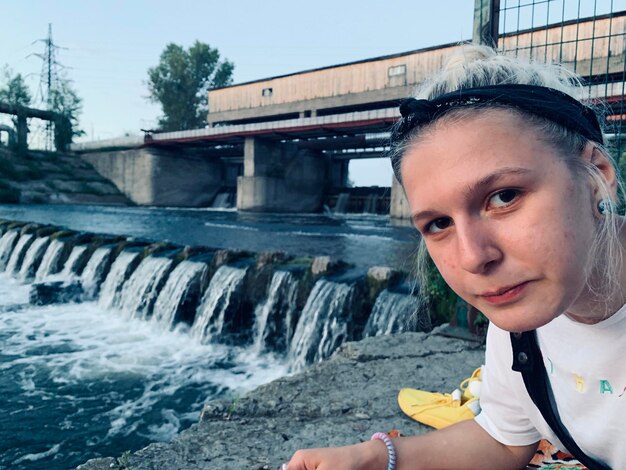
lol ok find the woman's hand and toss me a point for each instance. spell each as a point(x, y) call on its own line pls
point(368, 455)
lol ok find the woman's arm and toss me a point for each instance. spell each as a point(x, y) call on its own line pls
point(462, 446)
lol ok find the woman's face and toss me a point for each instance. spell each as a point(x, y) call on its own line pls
point(506, 222)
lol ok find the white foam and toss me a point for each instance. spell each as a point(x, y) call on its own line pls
point(12, 291)
point(239, 228)
point(79, 344)
point(41, 455)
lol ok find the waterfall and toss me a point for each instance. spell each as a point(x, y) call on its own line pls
point(72, 265)
point(50, 264)
point(121, 268)
point(94, 271)
point(394, 313)
point(217, 305)
point(342, 203)
point(273, 318)
point(371, 204)
point(33, 257)
point(174, 302)
point(15, 261)
point(141, 289)
point(222, 201)
point(7, 242)
point(323, 324)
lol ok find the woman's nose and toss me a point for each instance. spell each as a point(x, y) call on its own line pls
point(478, 249)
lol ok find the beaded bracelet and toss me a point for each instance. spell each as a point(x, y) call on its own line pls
point(391, 450)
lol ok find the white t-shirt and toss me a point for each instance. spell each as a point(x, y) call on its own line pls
point(586, 365)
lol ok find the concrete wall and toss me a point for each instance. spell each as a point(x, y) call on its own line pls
point(399, 209)
point(157, 177)
point(281, 178)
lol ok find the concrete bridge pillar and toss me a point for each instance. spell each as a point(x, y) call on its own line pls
point(280, 177)
point(339, 173)
point(399, 209)
point(159, 177)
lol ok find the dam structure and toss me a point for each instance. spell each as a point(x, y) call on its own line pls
point(283, 144)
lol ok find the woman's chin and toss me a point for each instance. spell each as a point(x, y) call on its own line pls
point(518, 320)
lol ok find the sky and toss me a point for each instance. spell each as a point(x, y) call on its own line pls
point(107, 46)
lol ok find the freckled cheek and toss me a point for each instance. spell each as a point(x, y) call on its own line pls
point(451, 272)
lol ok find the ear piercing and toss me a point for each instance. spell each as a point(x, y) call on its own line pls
point(606, 206)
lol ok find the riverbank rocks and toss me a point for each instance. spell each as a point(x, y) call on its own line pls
point(337, 402)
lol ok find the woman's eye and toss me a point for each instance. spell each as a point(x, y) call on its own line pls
point(438, 225)
point(503, 198)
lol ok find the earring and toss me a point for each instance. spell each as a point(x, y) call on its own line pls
point(605, 206)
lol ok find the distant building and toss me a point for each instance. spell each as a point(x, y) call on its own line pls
point(380, 82)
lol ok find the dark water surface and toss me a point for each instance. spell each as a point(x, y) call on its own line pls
point(363, 240)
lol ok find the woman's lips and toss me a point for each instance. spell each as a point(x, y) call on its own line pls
point(506, 294)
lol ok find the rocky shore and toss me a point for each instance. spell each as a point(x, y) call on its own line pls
point(340, 401)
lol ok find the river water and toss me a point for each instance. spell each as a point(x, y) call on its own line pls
point(364, 240)
point(92, 379)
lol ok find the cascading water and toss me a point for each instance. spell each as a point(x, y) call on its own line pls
point(323, 324)
point(394, 313)
point(92, 275)
point(33, 257)
point(70, 268)
point(342, 203)
point(185, 280)
point(98, 382)
point(141, 289)
point(17, 256)
point(50, 264)
point(273, 318)
point(7, 242)
point(217, 304)
point(120, 270)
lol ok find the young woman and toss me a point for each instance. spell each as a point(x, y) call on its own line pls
point(510, 185)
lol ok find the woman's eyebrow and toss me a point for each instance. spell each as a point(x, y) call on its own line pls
point(492, 178)
point(472, 188)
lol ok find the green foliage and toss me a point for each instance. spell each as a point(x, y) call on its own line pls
point(122, 462)
point(64, 100)
point(15, 91)
point(442, 300)
point(181, 81)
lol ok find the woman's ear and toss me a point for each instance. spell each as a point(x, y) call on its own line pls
point(596, 157)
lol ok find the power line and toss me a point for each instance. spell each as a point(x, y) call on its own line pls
point(48, 81)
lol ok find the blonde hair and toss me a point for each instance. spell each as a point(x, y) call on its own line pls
point(476, 66)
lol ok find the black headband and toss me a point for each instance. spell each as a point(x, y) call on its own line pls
point(548, 103)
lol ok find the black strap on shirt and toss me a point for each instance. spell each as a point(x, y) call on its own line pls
point(527, 360)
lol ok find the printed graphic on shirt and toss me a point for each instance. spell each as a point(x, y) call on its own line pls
point(603, 386)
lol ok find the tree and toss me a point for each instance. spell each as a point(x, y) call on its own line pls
point(64, 100)
point(15, 91)
point(181, 81)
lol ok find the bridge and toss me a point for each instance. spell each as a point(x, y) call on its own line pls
point(281, 166)
point(283, 144)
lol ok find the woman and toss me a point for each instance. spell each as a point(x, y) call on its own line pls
point(514, 194)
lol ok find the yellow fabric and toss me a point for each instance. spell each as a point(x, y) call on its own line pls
point(433, 409)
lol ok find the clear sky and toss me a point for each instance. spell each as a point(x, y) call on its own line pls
point(108, 45)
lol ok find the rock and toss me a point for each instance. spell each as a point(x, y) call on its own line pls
point(381, 273)
point(47, 293)
point(325, 265)
point(338, 402)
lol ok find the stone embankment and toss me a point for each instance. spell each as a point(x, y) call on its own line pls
point(53, 178)
point(340, 401)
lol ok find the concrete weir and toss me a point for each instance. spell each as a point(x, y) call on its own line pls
point(158, 177)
